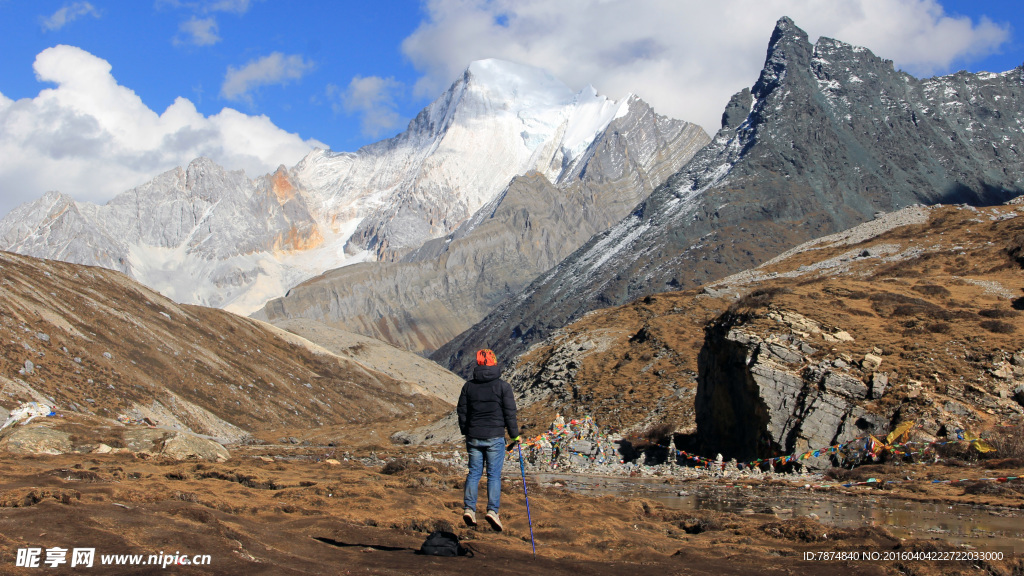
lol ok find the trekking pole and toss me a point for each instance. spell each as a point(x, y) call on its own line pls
point(522, 467)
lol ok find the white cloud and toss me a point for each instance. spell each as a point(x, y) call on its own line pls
point(236, 6)
point(373, 98)
point(93, 138)
point(685, 57)
point(67, 14)
point(198, 32)
point(273, 69)
point(208, 6)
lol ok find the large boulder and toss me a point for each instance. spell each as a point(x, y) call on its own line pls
point(35, 440)
point(174, 444)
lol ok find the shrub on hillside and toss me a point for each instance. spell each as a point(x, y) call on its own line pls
point(998, 327)
point(759, 298)
point(933, 290)
point(1015, 249)
point(1008, 441)
point(998, 313)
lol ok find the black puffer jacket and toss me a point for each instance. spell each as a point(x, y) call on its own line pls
point(486, 406)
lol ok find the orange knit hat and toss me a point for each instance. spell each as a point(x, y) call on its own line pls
point(486, 357)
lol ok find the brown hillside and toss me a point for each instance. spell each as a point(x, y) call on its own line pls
point(95, 342)
point(937, 292)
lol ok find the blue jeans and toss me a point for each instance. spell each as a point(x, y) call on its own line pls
point(491, 451)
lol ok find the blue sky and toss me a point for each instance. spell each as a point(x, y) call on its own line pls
point(100, 95)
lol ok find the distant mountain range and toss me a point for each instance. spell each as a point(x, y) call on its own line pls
point(442, 288)
point(205, 235)
point(829, 135)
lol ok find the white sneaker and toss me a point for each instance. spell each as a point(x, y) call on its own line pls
point(469, 517)
point(493, 520)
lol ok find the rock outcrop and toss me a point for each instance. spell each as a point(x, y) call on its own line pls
point(35, 440)
point(832, 136)
point(759, 397)
point(72, 433)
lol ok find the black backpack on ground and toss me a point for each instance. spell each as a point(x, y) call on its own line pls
point(443, 544)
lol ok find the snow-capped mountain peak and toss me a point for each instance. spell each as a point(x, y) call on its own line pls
point(519, 86)
point(202, 234)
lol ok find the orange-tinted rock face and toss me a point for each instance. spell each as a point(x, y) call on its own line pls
point(295, 239)
point(282, 186)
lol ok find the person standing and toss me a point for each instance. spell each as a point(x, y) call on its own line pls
point(486, 409)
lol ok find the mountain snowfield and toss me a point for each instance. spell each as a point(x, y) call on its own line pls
point(210, 236)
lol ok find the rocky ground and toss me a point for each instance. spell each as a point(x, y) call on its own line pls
point(320, 510)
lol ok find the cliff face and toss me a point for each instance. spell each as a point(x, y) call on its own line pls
point(760, 397)
point(448, 284)
point(829, 135)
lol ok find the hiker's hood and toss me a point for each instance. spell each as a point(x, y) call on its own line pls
point(486, 373)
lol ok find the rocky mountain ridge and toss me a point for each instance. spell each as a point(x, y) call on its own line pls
point(442, 288)
point(828, 136)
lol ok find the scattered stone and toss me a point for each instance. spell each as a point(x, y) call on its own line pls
point(956, 408)
point(879, 384)
point(795, 321)
point(843, 336)
point(43, 337)
point(103, 449)
point(28, 369)
point(583, 447)
point(871, 362)
point(1003, 372)
point(108, 356)
point(331, 461)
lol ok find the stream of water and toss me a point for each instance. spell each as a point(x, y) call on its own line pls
point(981, 527)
